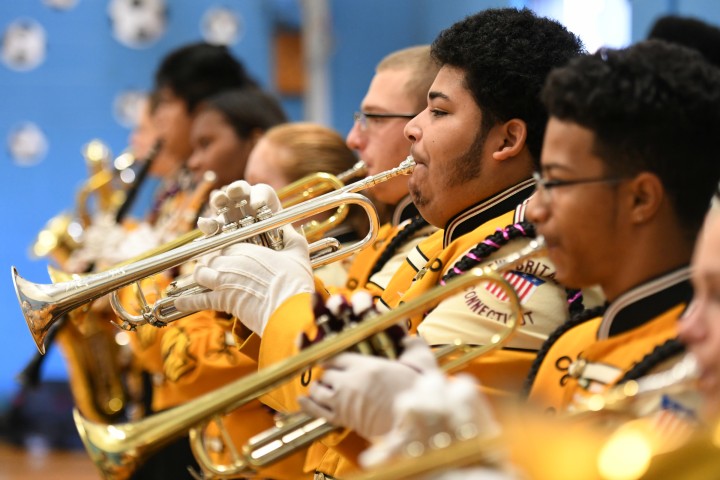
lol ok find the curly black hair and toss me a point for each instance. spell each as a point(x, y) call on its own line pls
point(690, 32)
point(652, 107)
point(506, 54)
point(196, 71)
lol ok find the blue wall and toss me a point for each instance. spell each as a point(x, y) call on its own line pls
point(70, 97)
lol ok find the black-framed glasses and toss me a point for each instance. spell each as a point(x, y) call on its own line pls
point(362, 117)
point(544, 185)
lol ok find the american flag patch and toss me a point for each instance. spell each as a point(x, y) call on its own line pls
point(523, 283)
point(674, 423)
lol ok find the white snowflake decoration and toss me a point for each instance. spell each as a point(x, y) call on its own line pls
point(137, 23)
point(24, 44)
point(27, 144)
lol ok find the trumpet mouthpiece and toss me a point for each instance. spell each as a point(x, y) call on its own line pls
point(407, 165)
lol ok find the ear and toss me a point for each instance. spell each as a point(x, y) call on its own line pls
point(647, 195)
point(512, 136)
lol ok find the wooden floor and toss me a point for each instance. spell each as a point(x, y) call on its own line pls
point(22, 464)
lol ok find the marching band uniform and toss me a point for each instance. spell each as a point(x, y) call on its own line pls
point(196, 355)
point(594, 355)
point(363, 264)
point(481, 312)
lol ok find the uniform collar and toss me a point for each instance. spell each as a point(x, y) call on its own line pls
point(404, 210)
point(645, 302)
point(471, 218)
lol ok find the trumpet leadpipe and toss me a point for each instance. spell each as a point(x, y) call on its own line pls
point(357, 170)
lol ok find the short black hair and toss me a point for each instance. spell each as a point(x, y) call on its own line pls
point(196, 71)
point(654, 107)
point(506, 55)
point(690, 32)
point(247, 109)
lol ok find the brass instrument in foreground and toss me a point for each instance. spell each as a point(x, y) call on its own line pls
point(43, 304)
point(461, 453)
point(118, 449)
point(606, 448)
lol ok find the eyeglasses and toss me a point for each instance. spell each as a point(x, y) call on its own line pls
point(364, 119)
point(544, 185)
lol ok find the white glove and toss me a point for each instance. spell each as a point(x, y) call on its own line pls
point(229, 197)
point(435, 404)
point(250, 281)
point(358, 391)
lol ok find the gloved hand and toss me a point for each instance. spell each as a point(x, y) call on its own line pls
point(251, 281)
point(358, 391)
point(434, 404)
point(226, 202)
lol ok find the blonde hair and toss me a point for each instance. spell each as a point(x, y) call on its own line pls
point(423, 69)
point(310, 148)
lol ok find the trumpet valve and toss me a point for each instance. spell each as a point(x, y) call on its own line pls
point(273, 238)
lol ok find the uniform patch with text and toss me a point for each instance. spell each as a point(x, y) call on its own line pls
point(523, 283)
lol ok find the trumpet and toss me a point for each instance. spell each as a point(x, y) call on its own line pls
point(44, 304)
point(314, 185)
point(474, 450)
point(117, 449)
point(163, 311)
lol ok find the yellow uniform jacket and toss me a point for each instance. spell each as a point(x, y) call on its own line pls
point(594, 355)
point(363, 264)
point(196, 355)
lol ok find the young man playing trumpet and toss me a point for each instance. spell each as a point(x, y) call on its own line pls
point(476, 145)
point(624, 185)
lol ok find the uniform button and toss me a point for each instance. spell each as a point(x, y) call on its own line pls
point(577, 368)
point(158, 379)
